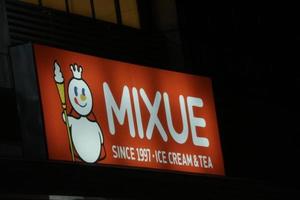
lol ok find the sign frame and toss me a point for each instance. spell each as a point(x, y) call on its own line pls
point(27, 90)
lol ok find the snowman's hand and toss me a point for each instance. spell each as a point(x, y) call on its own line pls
point(70, 119)
point(63, 116)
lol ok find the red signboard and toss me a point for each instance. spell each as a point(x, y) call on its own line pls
point(103, 111)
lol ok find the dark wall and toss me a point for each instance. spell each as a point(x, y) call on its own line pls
point(42, 25)
point(5, 75)
point(10, 137)
point(252, 56)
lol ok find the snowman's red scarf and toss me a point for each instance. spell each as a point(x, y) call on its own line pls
point(90, 117)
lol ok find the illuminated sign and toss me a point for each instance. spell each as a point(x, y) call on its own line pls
point(97, 110)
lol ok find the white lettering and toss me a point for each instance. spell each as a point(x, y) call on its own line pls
point(138, 113)
point(196, 121)
point(125, 107)
point(178, 137)
point(114, 151)
point(154, 120)
point(123, 152)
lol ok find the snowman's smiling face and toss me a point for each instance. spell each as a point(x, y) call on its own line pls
point(80, 96)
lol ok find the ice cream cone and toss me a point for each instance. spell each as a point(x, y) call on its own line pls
point(61, 91)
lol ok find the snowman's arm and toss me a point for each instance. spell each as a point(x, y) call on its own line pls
point(70, 119)
point(100, 133)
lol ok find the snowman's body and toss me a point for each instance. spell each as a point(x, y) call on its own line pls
point(87, 138)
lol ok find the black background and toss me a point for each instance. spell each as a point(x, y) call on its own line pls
point(252, 54)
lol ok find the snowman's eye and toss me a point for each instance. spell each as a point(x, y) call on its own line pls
point(76, 91)
point(83, 91)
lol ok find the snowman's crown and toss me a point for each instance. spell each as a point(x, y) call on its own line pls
point(76, 70)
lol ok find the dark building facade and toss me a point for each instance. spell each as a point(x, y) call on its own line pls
point(248, 53)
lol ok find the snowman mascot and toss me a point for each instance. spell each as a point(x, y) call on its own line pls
point(86, 135)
